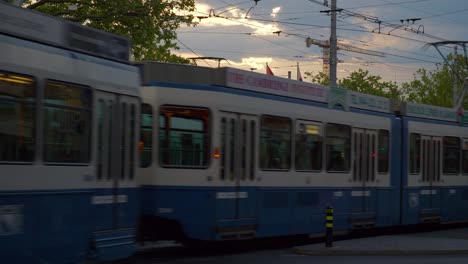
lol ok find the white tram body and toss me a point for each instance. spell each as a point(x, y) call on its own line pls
point(435, 165)
point(237, 154)
point(68, 141)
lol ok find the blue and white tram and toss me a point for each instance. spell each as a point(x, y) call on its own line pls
point(435, 165)
point(232, 154)
point(69, 114)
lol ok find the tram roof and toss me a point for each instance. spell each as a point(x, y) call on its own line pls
point(152, 72)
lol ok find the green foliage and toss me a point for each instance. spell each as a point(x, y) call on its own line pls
point(150, 24)
point(320, 78)
point(436, 87)
point(361, 81)
point(427, 87)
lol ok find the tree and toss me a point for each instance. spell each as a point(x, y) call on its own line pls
point(320, 78)
point(363, 82)
point(436, 87)
point(149, 24)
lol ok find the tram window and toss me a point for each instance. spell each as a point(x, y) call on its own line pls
point(17, 118)
point(252, 149)
point(123, 134)
point(131, 162)
point(275, 143)
point(223, 148)
point(383, 151)
point(146, 135)
point(67, 125)
point(415, 153)
point(308, 146)
point(451, 155)
point(465, 156)
point(184, 136)
point(338, 144)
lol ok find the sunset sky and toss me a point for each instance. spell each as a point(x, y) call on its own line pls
point(249, 35)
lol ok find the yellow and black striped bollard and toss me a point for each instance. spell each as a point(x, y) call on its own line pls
point(329, 227)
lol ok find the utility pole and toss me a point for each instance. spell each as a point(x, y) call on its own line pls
point(333, 42)
point(455, 78)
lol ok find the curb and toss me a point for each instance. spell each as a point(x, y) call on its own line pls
point(347, 252)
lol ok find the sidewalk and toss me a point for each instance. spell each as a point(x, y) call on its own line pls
point(446, 242)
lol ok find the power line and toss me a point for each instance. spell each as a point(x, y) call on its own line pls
point(444, 14)
point(313, 26)
point(396, 3)
point(303, 52)
point(381, 24)
point(193, 51)
point(254, 35)
point(229, 4)
point(390, 54)
point(420, 10)
point(366, 43)
point(354, 7)
point(262, 54)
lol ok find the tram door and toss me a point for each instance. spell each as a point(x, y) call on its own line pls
point(116, 135)
point(430, 175)
point(364, 172)
point(238, 135)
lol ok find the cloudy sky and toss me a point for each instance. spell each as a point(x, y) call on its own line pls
point(249, 34)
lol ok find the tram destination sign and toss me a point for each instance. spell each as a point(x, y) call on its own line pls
point(35, 26)
point(369, 102)
point(429, 111)
point(263, 83)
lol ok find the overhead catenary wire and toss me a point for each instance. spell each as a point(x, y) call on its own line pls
point(193, 51)
point(426, 12)
point(381, 24)
point(315, 26)
point(349, 55)
point(289, 33)
point(303, 52)
point(388, 4)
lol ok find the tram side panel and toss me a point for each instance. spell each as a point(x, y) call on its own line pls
point(43, 216)
point(435, 180)
point(239, 195)
point(47, 161)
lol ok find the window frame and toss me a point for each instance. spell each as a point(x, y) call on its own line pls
point(89, 161)
point(209, 134)
point(459, 169)
point(350, 139)
point(321, 135)
point(388, 151)
point(418, 172)
point(152, 146)
point(260, 142)
point(36, 107)
point(464, 147)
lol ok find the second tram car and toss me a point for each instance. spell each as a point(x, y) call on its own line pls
point(435, 165)
point(231, 154)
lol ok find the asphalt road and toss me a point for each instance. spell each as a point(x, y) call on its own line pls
point(233, 255)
